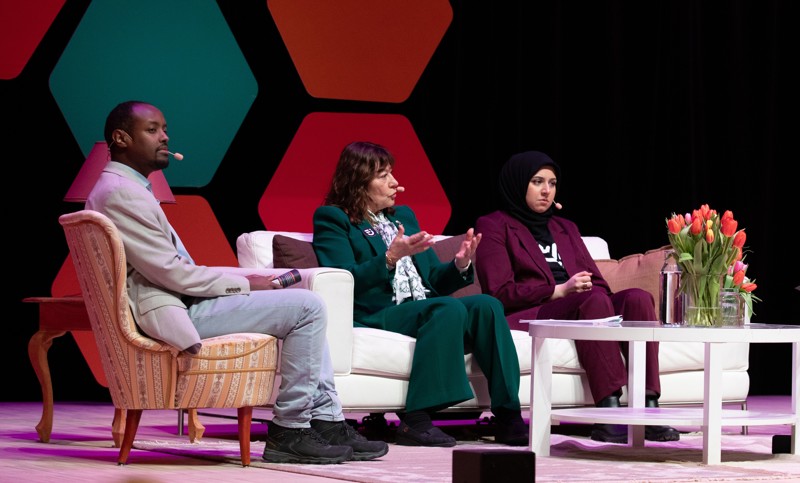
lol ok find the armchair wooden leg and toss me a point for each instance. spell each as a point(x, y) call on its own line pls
point(131, 425)
point(244, 423)
point(118, 427)
point(196, 428)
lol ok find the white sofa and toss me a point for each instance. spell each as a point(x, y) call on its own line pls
point(372, 366)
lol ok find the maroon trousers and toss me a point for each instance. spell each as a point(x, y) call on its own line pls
point(601, 360)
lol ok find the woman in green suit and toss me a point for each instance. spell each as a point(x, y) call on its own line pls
point(401, 286)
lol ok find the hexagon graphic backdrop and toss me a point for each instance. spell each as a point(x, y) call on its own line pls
point(304, 174)
point(180, 56)
point(364, 50)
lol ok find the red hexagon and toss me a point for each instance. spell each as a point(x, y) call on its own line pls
point(22, 27)
point(301, 181)
point(198, 228)
point(361, 49)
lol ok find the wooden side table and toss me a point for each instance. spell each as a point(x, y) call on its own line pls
point(57, 316)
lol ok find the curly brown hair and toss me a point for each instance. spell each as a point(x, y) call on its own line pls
point(358, 164)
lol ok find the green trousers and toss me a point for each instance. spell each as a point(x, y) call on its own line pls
point(446, 328)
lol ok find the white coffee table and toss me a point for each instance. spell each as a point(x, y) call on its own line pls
point(711, 417)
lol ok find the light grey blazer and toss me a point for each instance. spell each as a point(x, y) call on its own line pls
point(158, 276)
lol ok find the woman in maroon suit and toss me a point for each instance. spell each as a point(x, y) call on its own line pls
point(537, 265)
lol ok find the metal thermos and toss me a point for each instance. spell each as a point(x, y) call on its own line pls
point(669, 290)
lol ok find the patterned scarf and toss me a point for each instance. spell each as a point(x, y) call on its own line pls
point(406, 282)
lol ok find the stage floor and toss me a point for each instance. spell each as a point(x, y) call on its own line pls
point(81, 447)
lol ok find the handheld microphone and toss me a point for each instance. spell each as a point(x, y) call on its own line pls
point(177, 156)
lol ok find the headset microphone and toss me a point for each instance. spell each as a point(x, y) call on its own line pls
point(177, 156)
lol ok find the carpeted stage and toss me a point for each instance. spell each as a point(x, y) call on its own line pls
point(81, 450)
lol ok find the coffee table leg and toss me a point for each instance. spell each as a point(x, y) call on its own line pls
point(795, 447)
point(541, 397)
point(712, 405)
point(637, 357)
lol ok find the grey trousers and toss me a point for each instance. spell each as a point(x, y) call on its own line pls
point(297, 317)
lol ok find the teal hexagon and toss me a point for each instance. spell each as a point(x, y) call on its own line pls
point(176, 54)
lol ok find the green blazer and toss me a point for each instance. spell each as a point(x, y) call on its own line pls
point(358, 248)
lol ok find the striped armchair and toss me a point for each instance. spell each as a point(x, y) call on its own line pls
point(231, 371)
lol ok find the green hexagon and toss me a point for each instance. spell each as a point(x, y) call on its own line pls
point(180, 56)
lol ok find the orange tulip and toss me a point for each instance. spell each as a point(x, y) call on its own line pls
point(697, 225)
point(728, 215)
point(729, 225)
point(705, 212)
point(738, 253)
point(738, 277)
point(673, 226)
point(739, 239)
point(749, 287)
point(709, 236)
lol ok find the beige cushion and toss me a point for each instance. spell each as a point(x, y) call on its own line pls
point(639, 270)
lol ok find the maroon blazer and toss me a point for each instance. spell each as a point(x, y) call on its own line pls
point(510, 266)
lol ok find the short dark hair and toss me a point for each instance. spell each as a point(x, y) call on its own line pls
point(121, 117)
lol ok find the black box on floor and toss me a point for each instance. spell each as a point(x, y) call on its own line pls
point(487, 466)
point(781, 444)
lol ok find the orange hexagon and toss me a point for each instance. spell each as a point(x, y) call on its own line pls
point(301, 181)
point(362, 50)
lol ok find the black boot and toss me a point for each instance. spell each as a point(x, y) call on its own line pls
point(417, 429)
point(511, 428)
point(340, 433)
point(610, 433)
point(658, 433)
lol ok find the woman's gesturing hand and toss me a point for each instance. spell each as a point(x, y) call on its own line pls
point(403, 245)
point(467, 250)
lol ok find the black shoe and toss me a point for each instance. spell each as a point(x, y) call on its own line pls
point(301, 445)
point(658, 433)
point(661, 433)
point(610, 433)
point(340, 433)
point(408, 436)
point(510, 428)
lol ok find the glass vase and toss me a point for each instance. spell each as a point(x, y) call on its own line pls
point(732, 307)
point(701, 305)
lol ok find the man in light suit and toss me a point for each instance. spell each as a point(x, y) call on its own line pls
point(181, 303)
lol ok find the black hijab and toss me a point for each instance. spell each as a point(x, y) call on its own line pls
point(514, 178)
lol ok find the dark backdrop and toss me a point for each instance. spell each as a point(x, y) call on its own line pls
point(649, 107)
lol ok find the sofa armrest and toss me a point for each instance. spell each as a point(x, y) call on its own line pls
point(334, 285)
point(336, 288)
